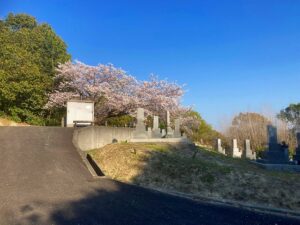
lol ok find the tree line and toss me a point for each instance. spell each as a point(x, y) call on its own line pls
point(37, 77)
point(29, 54)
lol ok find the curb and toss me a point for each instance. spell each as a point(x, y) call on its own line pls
point(231, 203)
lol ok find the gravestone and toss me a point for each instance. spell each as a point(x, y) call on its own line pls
point(170, 131)
point(219, 147)
point(140, 129)
point(177, 133)
point(236, 153)
point(163, 133)
point(149, 131)
point(248, 153)
point(156, 130)
point(297, 156)
point(277, 153)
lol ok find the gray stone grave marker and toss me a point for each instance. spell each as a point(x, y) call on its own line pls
point(149, 131)
point(140, 129)
point(177, 133)
point(156, 130)
point(163, 133)
point(170, 131)
point(276, 154)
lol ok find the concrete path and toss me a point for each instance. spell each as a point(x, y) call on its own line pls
point(44, 181)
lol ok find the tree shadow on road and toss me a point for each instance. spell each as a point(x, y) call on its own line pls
point(125, 205)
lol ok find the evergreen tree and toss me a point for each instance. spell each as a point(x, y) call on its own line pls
point(29, 54)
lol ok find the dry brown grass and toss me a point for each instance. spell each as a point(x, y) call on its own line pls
point(7, 122)
point(191, 170)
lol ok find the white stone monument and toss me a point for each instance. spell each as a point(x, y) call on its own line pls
point(248, 153)
point(219, 146)
point(236, 153)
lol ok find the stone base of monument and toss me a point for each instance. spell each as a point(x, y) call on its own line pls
point(222, 151)
point(236, 153)
point(296, 158)
point(249, 155)
point(156, 133)
point(140, 134)
point(291, 167)
point(276, 157)
point(170, 133)
point(161, 140)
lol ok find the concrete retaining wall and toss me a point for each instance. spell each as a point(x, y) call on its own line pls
point(88, 138)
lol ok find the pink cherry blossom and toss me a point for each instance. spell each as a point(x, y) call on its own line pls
point(117, 93)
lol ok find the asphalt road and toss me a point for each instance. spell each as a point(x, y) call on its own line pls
point(44, 181)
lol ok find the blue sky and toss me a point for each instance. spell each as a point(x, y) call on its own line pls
point(234, 55)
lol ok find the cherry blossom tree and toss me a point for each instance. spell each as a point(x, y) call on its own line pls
point(117, 93)
point(157, 96)
point(112, 89)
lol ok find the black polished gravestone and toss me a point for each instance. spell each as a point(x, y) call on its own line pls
point(277, 153)
point(297, 156)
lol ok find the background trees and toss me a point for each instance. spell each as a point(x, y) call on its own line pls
point(251, 126)
point(29, 54)
point(202, 132)
point(291, 115)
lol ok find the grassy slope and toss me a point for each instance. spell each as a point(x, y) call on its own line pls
point(199, 172)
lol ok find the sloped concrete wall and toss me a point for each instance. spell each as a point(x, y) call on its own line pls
point(93, 137)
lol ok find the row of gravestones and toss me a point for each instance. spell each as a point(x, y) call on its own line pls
point(155, 132)
point(235, 151)
point(277, 153)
